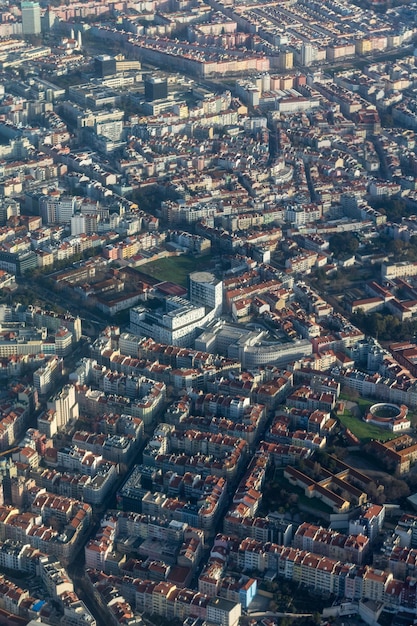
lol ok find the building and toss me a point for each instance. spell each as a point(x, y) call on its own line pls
point(31, 18)
point(398, 454)
point(398, 270)
point(65, 406)
point(176, 324)
point(45, 376)
point(307, 54)
point(155, 88)
point(52, 321)
point(206, 289)
point(105, 65)
point(370, 522)
point(84, 224)
point(224, 612)
point(8, 209)
point(56, 210)
point(18, 262)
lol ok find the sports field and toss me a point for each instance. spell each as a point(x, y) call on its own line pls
point(177, 268)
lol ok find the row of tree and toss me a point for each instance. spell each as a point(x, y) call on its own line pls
point(385, 326)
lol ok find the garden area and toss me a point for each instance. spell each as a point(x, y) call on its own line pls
point(352, 416)
point(176, 269)
point(363, 431)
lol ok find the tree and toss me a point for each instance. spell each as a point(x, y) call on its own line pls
point(395, 489)
point(316, 469)
point(385, 326)
point(342, 244)
point(331, 466)
point(396, 247)
point(393, 208)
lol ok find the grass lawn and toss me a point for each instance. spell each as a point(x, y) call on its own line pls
point(176, 269)
point(413, 418)
point(312, 503)
point(362, 430)
point(362, 403)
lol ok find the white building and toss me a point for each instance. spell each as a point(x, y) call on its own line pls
point(65, 406)
point(31, 18)
point(57, 210)
point(82, 223)
point(44, 377)
point(176, 325)
point(206, 289)
point(224, 612)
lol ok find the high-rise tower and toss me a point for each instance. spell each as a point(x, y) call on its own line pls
point(31, 18)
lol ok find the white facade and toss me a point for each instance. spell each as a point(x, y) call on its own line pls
point(57, 210)
point(177, 326)
point(78, 226)
point(65, 405)
point(31, 18)
point(224, 612)
point(206, 289)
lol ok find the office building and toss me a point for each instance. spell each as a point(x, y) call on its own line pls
point(18, 262)
point(65, 406)
point(155, 88)
point(175, 324)
point(57, 210)
point(205, 289)
point(105, 65)
point(31, 18)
